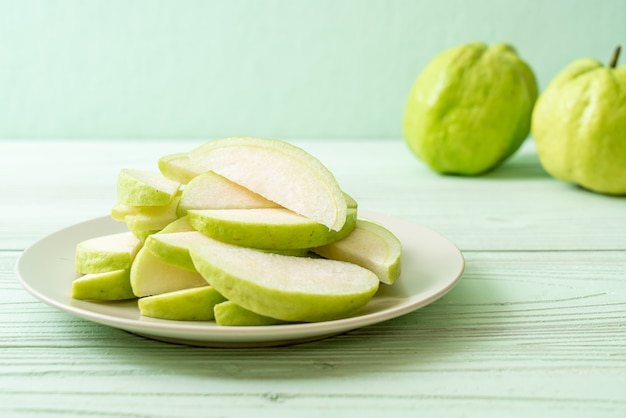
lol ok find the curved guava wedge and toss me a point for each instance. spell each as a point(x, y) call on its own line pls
point(195, 304)
point(369, 245)
point(110, 285)
point(267, 228)
point(144, 188)
point(179, 225)
point(177, 167)
point(151, 275)
point(120, 211)
point(106, 253)
point(277, 170)
point(173, 247)
point(212, 191)
point(288, 288)
point(151, 219)
point(229, 313)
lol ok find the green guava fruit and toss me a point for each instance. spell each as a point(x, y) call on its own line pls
point(579, 126)
point(470, 108)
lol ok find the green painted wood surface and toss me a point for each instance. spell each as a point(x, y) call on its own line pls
point(536, 327)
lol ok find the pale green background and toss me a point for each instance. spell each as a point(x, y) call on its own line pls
point(285, 69)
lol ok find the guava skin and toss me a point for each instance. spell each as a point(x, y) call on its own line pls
point(579, 126)
point(470, 108)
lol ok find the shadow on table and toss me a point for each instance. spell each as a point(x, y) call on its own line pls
point(435, 336)
point(523, 166)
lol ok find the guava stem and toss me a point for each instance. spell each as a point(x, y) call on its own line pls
point(615, 56)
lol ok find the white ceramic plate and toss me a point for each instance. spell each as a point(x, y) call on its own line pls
point(431, 266)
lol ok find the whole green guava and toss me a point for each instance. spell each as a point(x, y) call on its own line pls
point(579, 126)
point(470, 108)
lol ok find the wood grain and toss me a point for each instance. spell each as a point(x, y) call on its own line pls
point(537, 325)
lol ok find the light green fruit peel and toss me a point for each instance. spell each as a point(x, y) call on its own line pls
point(144, 188)
point(579, 126)
point(106, 253)
point(470, 108)
point(174, 247)
point(369, 245)
point(195, 304)
point(229, 313)
point(179, 225)
point(151, 219)
point(177, 167)
point(110, 285)
point(267, 228)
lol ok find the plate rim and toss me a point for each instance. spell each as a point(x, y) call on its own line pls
point(209, 334)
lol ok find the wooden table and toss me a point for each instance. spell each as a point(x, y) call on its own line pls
point(536, 326)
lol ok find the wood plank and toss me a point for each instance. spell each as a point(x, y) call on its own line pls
point(523, 332)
